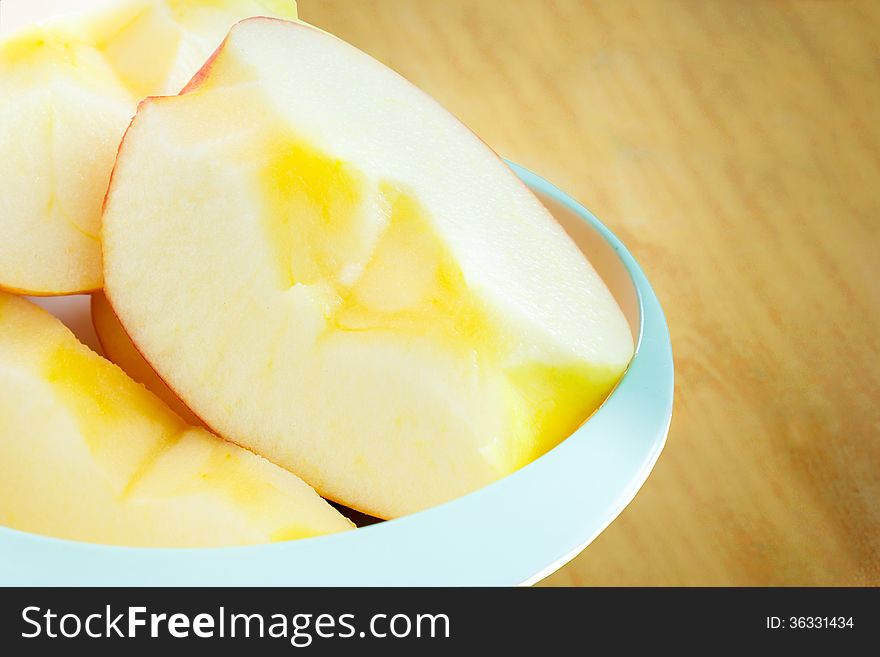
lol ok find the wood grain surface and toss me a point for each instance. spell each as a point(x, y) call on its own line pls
point(735, 147)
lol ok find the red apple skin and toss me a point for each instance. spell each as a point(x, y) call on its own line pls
point(202, 74)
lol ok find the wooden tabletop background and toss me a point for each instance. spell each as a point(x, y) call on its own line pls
point(735, 148)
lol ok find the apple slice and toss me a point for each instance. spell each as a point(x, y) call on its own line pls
point(119, 349)
point(88, 454)
point(331, 270)
point(69, 88)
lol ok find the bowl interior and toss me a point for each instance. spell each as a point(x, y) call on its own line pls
point(603, 257)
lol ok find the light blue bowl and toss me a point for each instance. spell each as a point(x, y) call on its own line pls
point(515, 531)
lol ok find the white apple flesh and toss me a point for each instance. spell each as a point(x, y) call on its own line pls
point(332, 271)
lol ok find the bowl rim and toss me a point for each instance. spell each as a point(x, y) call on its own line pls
point(514, 531)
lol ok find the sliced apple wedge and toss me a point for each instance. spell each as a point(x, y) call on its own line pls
point(333, 271)
point(88, 454)
point(119, 349)
point(69, 88)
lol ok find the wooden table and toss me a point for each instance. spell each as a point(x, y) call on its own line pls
point(735, 147)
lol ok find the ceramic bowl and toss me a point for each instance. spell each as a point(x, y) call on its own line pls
point(514, 531)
